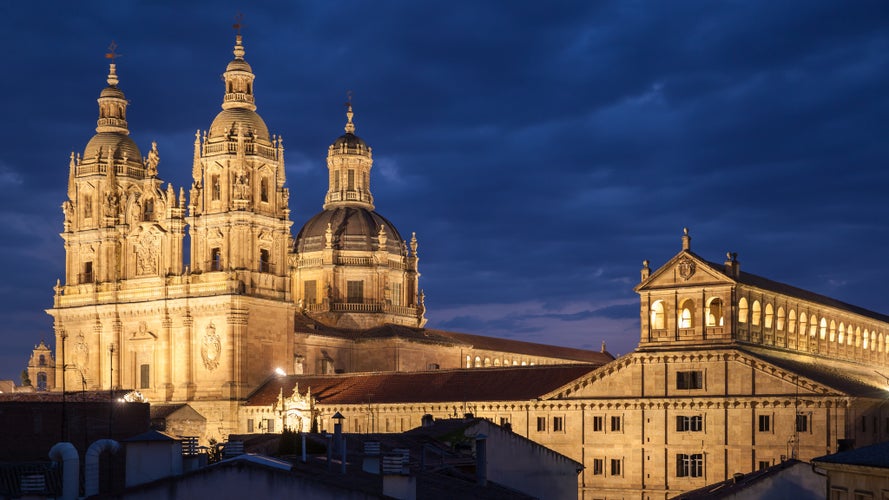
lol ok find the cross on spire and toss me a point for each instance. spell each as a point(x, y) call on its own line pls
point(239, 23)
point(112, 52)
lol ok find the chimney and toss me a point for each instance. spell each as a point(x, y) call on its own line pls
point(427, 420)
point(371, 461)
point(67, 454)
point(732, 265)
point(397, 481)
point(481, 459)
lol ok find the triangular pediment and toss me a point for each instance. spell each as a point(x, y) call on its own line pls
point(625, 377)
point(685, 269)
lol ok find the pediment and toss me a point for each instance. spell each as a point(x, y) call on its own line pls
point(685, 269)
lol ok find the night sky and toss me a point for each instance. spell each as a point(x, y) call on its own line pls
point(540, 150)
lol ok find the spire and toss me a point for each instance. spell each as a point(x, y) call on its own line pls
point(349, 160)
point(112, 75)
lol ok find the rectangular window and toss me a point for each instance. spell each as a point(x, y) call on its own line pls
point(838, 493)
point(689, 423)
point(270, 425)
point(541, 424)
point(215, 189)
point(355, 292)
point(802, 422)
point(310, 292)
point(764, 423)
point(690, 465)
point(264, 190)
point(249, 425)
point(396, 294)
point(598, 424)
point(558, 424)
point(615, 424)
point(764, 464)
point(615, 467)
point(598, 466)
point(351, 180)
point(690, 380)
point(144, 373)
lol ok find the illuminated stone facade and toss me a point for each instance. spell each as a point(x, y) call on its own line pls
point(131, 314)
point(722, 382)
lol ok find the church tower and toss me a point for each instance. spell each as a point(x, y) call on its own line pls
point(239, 216)
point(352, 269)
point(120, 223)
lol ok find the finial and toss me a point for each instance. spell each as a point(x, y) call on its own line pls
point(414, 243)
point(350, 127)
point(112, 54)
point(686, 239)
point(239, 48)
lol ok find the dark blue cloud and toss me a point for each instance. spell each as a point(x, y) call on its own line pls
point(541, 151)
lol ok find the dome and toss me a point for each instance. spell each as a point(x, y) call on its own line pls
point(354, 228)
point(114, 141)
point(238, 65)
point(350, 140)
point(228, 119)
point(112, 92)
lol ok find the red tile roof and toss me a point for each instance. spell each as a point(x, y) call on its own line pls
point(480, 384)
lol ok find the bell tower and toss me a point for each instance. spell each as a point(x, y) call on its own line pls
point(119, 222)
point(239, 216)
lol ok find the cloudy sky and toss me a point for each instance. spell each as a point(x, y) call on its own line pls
point(540, 150)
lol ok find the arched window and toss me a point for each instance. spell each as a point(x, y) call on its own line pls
point(487, 362)
point(515, 363)
point(813, 326)
point(714, 312)
point(865, 339)
point(833, 331)
point(657, 315)
point(779, 324)
point(524, 363)
point(468, 361)
point(742, 310)
point(770, 315)
point(148, 214)
point(757, 313)
point(858, 337)
point(478, 362)
point(264, 190)
point(803, 323)
point(842, 334)
point(42, 361)
point(496, 361)
point(41, 381)
point(822, 329)
point(791, 321)
point(687, 314)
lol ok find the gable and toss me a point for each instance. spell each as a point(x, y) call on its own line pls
point(684, 269)
point(723, 373)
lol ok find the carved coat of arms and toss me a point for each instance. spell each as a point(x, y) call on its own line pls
point(211, 348)
point(686, 268)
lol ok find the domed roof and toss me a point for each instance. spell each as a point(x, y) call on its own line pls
point(350, 140)
point(239, 65)
point(353, 228)
point(228, 119)
point(114, 141)
point(112, 91)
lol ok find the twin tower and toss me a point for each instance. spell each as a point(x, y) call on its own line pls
point(131, 313)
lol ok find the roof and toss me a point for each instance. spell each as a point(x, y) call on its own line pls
point(151, 435)
point(159, 411)
point(847, 377)
point(792, 291)
point(352, 227)
point(479, 384)
point(443, 337)
point(734, 486)
point(875, 455)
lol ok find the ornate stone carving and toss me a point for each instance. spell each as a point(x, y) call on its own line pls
point(211, 348)
point(687, 268)
point(81, 354)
